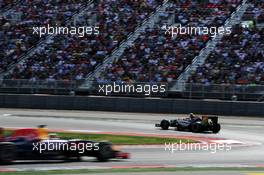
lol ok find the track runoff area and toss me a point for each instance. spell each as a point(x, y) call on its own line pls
point(236, 149)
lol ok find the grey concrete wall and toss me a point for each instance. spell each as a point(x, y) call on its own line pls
point(126, 104)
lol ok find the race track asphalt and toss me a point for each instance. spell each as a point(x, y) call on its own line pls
point(245, 130)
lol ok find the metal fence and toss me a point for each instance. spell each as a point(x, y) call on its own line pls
point(38, 86)
point(190, 90)
point(223, 91)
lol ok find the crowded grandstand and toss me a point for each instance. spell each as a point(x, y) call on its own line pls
point(132, 45)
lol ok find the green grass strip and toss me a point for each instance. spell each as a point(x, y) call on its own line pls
point(123, 139)
point(119, 139)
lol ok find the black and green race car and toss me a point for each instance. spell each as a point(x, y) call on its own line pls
point(192, 124)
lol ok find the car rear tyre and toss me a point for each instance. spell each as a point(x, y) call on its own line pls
point(196, 128)
point(165, 124)
point(180, 128)
point(105, 152)
point(7, 153)
point(216, 128)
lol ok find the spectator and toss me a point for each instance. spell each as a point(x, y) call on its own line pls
point(155, 57)
point(71, 57)
point(237, 59)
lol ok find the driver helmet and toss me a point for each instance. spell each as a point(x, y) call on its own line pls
point(191, 115)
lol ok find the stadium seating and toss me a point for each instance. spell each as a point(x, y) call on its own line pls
point(255, 11)
point(16, 27)
point(72, 57)
point(5, 4)
point(155, 57)
point(238, 59)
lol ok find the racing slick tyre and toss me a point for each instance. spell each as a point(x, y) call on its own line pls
point(165, 124)
point(196, 128)
point(180, 128)
point(216, 128)
point(105, 152)
point(73, 159)
point(7, 153)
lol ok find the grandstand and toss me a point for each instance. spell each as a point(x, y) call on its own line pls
point(133, 47)
point(72, 57)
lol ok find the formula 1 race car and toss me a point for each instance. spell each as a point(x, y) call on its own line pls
point(192, 124)
point(26, 144)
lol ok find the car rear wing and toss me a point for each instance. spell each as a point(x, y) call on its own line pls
point(157, 125)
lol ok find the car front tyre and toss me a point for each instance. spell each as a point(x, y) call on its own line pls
point(165, 124)
point(105, 152)
point(7, 153)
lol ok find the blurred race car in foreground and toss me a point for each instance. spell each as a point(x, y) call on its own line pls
point(35, 144)
point(192, 124)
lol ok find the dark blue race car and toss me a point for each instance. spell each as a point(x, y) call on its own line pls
point(27, 144)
